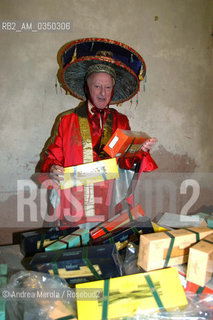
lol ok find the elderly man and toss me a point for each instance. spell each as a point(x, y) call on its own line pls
point(99, 78)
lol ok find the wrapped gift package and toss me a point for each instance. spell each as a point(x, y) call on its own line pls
point(200, 263)
point(118, 221)
point(90, 173)
point(78, 238)
point(36, 240)
point(169, 248)
point(50, 300)
point(131, 232)
point(80, 264)
point(125, 143)
point(121, 297)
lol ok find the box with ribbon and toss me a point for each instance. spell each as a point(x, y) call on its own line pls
point(125, 143)
point(36, 240)
point(81, 264)
point(123, 235)
point(169, 248)
point(200, 263)
point(90, 173)
point(78, 238)
point(124, 296)
point(118, 221)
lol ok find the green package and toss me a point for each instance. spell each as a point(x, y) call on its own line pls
point(78, 238)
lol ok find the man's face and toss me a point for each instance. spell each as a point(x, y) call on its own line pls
point(100, 87)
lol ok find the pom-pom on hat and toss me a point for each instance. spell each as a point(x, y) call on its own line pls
point(80, 58)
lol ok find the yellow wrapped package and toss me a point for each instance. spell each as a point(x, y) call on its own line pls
point(158, 290)
point(158, 228)
point(89, 173)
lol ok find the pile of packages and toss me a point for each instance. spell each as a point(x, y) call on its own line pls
point(95, 261)
point(127, 267)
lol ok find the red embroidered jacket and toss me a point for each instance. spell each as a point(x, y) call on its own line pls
point(66, 149)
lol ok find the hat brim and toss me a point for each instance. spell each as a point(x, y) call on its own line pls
point(72, 78)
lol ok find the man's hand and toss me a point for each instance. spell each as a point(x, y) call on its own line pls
point(57, 173)
point(148, 144)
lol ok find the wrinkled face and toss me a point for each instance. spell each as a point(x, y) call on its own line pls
point(100, 87)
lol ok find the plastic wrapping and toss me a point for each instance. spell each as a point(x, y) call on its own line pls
point(199, 308)
point(196, 310)
point(28, 309)
point(130, 260)
point(81, 264)
point(39, 296)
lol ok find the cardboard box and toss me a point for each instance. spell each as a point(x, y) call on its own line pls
point(81, 264)
point(36, 240)
point(199, 295)
point(123, 296)
point(118, 221)
point(90, 173)
point(125, 143)
point(169, 248)
point(194, 291)
point(77, 238)
point(200, 263)
point(122, 236)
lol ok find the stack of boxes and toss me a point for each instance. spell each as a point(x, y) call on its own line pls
point(97, 265)
point(169, 248)
point(200, 263)
point(84, 255)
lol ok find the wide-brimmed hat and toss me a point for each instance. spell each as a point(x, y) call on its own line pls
point(78, 59)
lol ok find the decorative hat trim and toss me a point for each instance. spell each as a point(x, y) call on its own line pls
point(101, 68)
